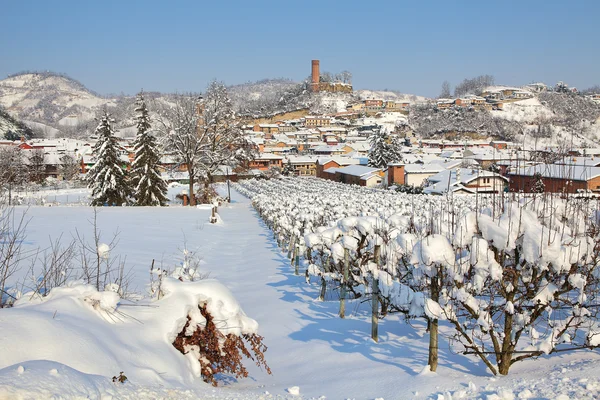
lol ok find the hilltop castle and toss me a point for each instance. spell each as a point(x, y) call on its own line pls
point(317, 86)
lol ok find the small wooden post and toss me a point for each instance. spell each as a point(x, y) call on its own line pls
point(323, 289)
point(296, 259)
point(375, 299)
point(343, 285)
point(291, 248)
point(213, 217)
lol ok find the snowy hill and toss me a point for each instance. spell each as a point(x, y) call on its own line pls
point(49, 98)
point(274, 96)
point(389, 95)
point(11, 129)
point(545, 119)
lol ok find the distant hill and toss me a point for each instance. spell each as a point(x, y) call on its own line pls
point(53, 104)
point(544, 119)
point(49, 98)
point(11, 129)
point(364, 94)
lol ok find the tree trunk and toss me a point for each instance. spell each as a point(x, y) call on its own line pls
point(433, 345)
point(344, 284)
point(191, 188)
point(433, 326)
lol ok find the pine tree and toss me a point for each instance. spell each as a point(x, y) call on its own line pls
point(538, 183)
point(288, 169)
point(149, 189)
point(383, 150)
point(107, 178)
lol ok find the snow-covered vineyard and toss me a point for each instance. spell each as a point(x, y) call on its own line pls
point(475, 269)
point(515, 280)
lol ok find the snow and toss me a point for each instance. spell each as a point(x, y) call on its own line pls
point(309, 347)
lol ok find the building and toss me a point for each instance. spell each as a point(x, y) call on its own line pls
point(557, 178)
point(264, 161)
point(395, 174)
point(324, 164)
point(302, 165)
point(317, 85)
point(358, 175)
point(465, 181)
point(311, 121)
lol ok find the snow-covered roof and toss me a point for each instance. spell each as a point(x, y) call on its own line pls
point(577, 160)
point(340, 160)
point(267, 156)
point(331, 129)
point(487, 155)
point(358, 170)
point(457, 180)
point(360, 146)
point(422, 168)
point(302, 160)
point(570, 172)
point(330, 148)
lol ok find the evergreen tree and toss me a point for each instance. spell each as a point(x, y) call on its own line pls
point(384, 150)
point(107, 178)
point(149, 189)
point(538, 183)
point(288, 169)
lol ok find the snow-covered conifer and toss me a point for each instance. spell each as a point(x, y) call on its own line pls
point(384, 150)
point(149, 189)
point(538, 184)
point(107, 177)
point(288, 169)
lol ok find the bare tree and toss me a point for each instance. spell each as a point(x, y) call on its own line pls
point(12, 169)
point(445, 93)
point(203, 134)
point(178, 122)
point(221, 134)
point(346, 77)
point(37, 165)
point(12, 235)
point(473, 85)
point(69, 167)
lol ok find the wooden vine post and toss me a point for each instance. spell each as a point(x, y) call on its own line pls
point(343, 284)
point(375, 299)
point(291, 246)
point(296, 259)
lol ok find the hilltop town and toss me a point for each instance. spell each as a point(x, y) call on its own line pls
point(494, 140)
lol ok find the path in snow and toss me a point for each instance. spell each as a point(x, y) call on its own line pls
point(311, 347)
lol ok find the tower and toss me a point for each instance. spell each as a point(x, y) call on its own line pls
point(315, 75)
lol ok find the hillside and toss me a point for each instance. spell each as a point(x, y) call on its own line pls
point(544, 119)
point(49, 98)
point(11, 129)
point(364, 94)
point(53, 105)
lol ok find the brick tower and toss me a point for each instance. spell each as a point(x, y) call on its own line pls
point(315, 76)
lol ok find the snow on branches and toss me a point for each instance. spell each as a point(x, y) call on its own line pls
point(106, 177)
point(516, 279)
point(149, 189)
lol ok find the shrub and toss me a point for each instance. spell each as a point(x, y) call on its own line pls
point(219, 353)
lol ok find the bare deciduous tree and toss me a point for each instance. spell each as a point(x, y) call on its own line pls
point(473, 85)
point(12, 169)
point(37, 165)
point(445, 93)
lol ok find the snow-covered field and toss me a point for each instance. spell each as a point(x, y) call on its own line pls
point(61, 349)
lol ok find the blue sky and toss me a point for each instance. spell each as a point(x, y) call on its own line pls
point(411, 46)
